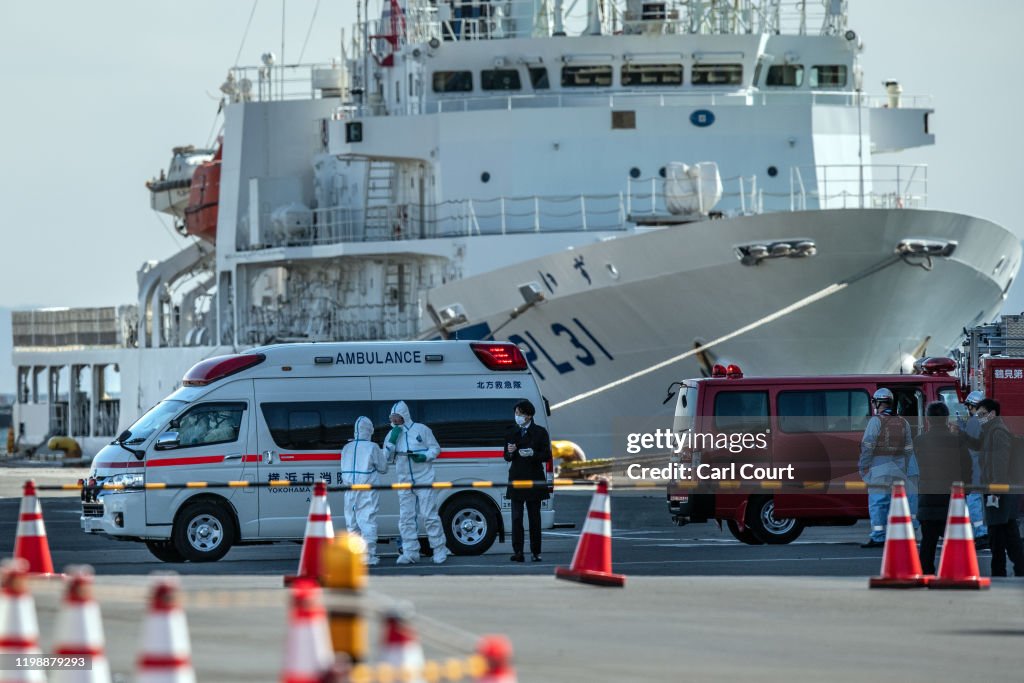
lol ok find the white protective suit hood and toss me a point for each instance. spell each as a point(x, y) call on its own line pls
point(364, 429)
point(401, 409)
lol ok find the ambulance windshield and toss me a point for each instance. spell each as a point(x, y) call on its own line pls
point(156, 417)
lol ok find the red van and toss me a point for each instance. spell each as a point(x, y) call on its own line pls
point(814, 424)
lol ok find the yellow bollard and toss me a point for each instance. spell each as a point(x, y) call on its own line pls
point(344, 576)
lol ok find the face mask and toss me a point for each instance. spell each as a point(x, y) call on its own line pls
point(520, 420)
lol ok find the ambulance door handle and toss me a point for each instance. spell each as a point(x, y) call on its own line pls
point(233, 457)
point(268, 457)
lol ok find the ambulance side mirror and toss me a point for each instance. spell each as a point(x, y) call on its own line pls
point(167, 441)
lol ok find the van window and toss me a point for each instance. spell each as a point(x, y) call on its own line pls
point(823, 411)
point(327, 425)
point(686, 409)
point(155, 418)
point(741, 411)
point(210, 423)
point(952, 401)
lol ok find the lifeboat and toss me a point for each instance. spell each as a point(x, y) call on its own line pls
point(170, 192)
point(204, 194)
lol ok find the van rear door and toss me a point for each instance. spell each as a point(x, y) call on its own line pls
point(302, 425)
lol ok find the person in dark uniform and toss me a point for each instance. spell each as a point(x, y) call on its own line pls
point(943, 459)
point(527, 448)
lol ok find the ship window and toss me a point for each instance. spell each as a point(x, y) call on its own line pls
point(623, 119)
point(500, 79)
point(828, 76)
point(539, 78)
point(717, 74)
point(785, 75)
point(585, 76)
point(453, 81)
point(652, 74)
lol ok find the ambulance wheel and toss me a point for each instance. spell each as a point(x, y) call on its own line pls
point(745, 536)
point(766, 527)
point(470, 524)
point(164, 551)
point(203, 531)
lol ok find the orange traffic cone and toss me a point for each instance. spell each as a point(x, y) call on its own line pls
point(30, 544)
point(19, 630)
point(901, 565)
point(958, 566)
point(80, 631)
point(401, 649)
point(592, 561)
point(497, 653)
point(166, 655)
point(319, 531)
point(307, 656)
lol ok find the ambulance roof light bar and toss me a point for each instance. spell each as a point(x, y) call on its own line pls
point(732, 371)
point(934, 366)
point(212, 369)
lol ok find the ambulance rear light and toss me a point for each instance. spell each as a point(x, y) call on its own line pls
point(219, 367)
point(499, 356)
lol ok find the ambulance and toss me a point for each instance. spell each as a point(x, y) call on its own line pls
point(284, 412)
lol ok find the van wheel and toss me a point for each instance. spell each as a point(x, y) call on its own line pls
point(164, 551)
point(763, 524)
point(470, 525)
point(745, 536)
point(203, 532)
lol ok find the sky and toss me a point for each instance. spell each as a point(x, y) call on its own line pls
point(95, 95)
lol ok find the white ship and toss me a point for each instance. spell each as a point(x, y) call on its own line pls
point(480, 168)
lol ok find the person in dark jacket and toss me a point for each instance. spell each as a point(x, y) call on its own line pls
point(996, 446)
point(527, 448)
point(943, 459)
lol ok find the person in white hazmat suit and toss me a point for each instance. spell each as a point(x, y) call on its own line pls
point(362, 462)
point(411, 446)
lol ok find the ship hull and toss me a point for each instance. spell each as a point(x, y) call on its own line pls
point(649, 298)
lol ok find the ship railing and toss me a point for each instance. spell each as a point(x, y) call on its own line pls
point(740, 196)
point(454, 218)
point(491, 20)
point(352, 321)
point(275, 82)
point(647, 98)
point(75, 327)
point(846, 186)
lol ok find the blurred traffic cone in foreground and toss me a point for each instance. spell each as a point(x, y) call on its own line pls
point(958, 566)
point(166, 655)
point(307, 655)
point(80, 631)
point(901, 565)
point(592, 561)
point(19, 630)
point(497, 654)
point(30, 543)
point(400, 648)
point(319, 531)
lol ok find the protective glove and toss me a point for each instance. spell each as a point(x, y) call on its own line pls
point(394, 434)
point(526, 452)
point(418, 457)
